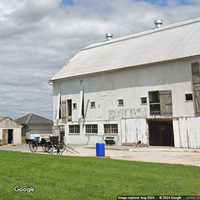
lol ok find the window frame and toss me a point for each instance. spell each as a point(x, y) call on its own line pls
point(120, 104)
point(195, 68)
point(141, 100)
point(190, 99)
point(91, 129)
point(154, 102)
point(111, 129)
point(76, 129)
point(92, 104)
point(160, 103)
point(74, 106)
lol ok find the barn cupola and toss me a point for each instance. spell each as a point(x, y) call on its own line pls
point(158, 23)
point(109, 36)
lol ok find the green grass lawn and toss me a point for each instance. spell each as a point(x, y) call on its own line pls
point(76, 178)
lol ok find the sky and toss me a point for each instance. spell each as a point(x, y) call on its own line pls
point(38, 37)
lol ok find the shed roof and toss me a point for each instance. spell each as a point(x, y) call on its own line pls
point(31, 119)
point(176, 41)
point(7, 122)
point(4, 117)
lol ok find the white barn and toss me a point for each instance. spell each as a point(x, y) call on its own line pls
point(143, 88)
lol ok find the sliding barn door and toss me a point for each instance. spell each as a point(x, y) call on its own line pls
point(196, 87)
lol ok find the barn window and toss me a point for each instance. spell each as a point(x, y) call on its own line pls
point(92, 104)
point(154, 102)
point(195, 68)
point(74, 106)
point(110, 128)
point(120, 102)
point(74, 129)
point(160, 103)
point(143, 100)
point(91, 128)
point(188, 97)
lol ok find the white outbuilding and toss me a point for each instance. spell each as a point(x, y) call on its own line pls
point(142, 88)
point(10, 131)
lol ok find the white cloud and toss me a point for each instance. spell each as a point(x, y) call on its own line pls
point(38, 36)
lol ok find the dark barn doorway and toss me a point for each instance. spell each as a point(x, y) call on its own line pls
point(161, 133)
point(10, 136)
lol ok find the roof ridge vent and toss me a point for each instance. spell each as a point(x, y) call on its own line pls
point(109, 36)
point(158, 23)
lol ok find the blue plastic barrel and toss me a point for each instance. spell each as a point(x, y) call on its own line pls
point(100, 149)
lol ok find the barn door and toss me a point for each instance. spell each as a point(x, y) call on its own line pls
point(66, 110)
point(196, 86)
point(160, 102)
point(197, 99)
point(161, 132)
point(5, 137)
point(134, 131)
point(10, 136)
point(165, 102)
point(69, 109)
point(63, 111)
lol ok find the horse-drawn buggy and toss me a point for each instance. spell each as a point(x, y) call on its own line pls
point(49, 145)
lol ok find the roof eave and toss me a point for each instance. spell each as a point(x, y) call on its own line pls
point(121, 68)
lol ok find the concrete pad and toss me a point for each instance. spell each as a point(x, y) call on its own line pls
point(146, 154)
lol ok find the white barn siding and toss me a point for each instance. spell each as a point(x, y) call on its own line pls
point(128, 84)
point(84, 138)
point(134, 130)
point(131, 84)
point(187, 132)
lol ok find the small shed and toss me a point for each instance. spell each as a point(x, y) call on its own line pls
point(35, 124)
point(10, 131)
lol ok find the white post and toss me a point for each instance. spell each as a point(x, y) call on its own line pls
point(81, 104)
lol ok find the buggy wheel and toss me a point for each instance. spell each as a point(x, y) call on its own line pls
point(33, 146)
point(61, 149)
point(45, 147)
point(50, 149)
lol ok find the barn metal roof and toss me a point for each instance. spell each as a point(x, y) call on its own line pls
point(31, 119)
point(170, 42)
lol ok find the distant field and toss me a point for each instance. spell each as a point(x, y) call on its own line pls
point(75, 178)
